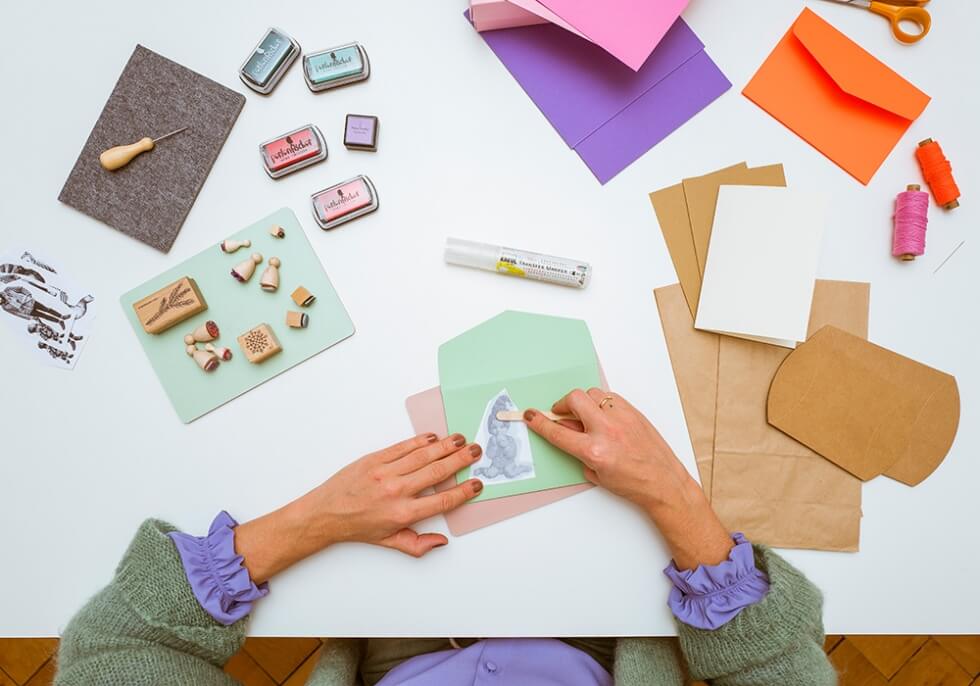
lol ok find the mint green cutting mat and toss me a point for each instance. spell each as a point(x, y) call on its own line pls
point(237, 307)
point(538, 359)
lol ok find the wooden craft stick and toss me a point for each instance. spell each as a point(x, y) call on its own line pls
point(518, 416)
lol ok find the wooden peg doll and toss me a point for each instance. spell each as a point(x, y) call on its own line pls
point(206, 360)
point(207, 331)
point(277, 231)
point(270, 277)
point(232, 246)
point(224, 354)
point(243, 272)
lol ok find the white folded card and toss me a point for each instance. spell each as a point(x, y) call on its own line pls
point(762, 263)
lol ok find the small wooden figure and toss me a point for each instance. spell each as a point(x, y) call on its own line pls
point(170, 305)
point(207, 361)
point(303, 297)
point(207, 331)
point(223, 353)
point(277, 231)
point(243, 272)
point(297, 320)
point(259, 343)
point(232, 246)
point(270, 277)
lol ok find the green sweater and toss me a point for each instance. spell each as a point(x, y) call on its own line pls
point(146, 627)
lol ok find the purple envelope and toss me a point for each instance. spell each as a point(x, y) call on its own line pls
point(609, 114)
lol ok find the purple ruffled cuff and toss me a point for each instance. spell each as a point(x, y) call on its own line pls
point(219, 581)
point(710, 597)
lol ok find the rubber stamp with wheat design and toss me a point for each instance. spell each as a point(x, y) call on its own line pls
point(170, 305)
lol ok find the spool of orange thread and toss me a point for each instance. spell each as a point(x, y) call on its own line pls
point(938, 173)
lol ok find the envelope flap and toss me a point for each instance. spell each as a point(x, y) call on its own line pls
point(855, 70)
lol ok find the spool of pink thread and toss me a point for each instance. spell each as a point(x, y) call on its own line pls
point(911, 219)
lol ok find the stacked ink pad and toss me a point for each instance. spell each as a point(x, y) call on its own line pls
point(305, 146)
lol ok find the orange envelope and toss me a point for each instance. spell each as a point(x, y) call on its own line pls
point(836, 96)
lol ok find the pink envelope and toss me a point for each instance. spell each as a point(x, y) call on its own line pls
point(426, 413)
point(628, 30)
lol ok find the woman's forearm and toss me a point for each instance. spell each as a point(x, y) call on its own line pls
point(691, 528)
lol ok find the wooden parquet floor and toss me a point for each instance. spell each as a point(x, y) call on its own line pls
point(860, 660)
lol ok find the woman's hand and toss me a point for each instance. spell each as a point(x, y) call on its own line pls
point(373, 500)
point(623, 452)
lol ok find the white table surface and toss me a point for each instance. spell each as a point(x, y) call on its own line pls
point(88, 454)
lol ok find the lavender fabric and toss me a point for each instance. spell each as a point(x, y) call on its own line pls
point(609, 114)
point(219, 581)
point(710, 597)
point(524, 661)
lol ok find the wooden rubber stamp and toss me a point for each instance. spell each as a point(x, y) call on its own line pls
point(232, 246)
point(303, 297)
point(270, 277)
point(170, 305)
point(259, 343)
point(223, 353)
point(207, 331)
point(244, 270)
point(277, 231)
point(297, 320)
point(206, 360)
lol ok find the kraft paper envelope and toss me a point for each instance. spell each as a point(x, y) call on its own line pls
point(761, 481)
point(670, 206)
point(836, 96)
point(701, 195)
point(865, 408)
point(607, 113)
point(762, 262)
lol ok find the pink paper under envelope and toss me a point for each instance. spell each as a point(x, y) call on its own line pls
point(628, 30)
point(427, 415)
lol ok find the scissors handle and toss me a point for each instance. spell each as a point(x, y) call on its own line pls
point(896, 15)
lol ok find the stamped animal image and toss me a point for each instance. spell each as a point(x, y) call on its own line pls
point(506, 445)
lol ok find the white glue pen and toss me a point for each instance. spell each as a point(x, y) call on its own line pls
point(527, 265)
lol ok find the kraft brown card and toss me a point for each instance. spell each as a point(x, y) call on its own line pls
point(670, 206)
point(865, 408)
point(763, 483)
point(150, 197)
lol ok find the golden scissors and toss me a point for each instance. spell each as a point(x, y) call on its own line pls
point(897, 11)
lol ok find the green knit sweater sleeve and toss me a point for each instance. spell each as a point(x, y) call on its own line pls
point(146, 626)
point(779, 640)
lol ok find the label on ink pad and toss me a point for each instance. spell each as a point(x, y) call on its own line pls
point(291, 149)
point(335, 64)
point(267, 57)
point(335, 203)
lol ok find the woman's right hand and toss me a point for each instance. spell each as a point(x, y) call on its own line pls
point(624, 453)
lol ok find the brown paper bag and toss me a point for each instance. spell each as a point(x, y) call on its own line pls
point(761, 481)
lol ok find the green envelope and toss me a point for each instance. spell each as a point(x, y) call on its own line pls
point(537, 359)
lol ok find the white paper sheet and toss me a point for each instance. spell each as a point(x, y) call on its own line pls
point(762, 263)
point(506, 446)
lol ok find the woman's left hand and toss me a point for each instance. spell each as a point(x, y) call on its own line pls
point(372, 500)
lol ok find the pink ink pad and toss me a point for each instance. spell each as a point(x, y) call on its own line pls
point(344, 201)
point(293, 151)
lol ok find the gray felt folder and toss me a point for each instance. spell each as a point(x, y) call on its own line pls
point(150, 197)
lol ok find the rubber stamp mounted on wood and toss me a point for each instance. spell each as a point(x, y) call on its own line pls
point(259, 343)
point(170, 305)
